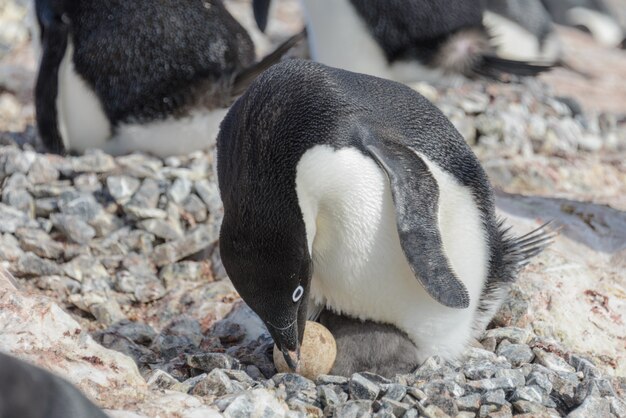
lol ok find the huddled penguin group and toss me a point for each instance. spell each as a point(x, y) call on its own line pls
point(348, 198)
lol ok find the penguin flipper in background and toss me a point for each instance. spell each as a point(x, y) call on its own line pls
point(410, 179)
point(54, 39)
point(261, 9)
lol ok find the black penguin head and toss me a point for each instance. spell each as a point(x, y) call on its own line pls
point(270, 266)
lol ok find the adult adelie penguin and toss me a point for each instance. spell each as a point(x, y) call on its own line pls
point(139, 75)
point(403, 40)
point(522, 30)
point(357, 193)
point(27, 391)
point(593, 16)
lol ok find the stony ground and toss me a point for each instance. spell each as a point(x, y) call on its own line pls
point(118, 284)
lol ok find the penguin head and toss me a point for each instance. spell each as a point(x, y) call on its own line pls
point(270, 266)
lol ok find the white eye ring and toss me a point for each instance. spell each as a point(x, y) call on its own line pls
point(297, 294)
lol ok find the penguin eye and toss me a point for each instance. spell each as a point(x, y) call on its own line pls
point(297, 294)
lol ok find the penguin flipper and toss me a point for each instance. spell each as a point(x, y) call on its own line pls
point(261, 9)
point(54, 34)
point(248, 75)
point(492, 66)
point(416, 221)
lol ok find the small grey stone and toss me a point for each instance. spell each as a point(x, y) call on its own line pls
point(240, 376)
point(431, 366)
point(328, 395)
point(87, 183)
point(398, 408)
point(527, 407)
point(516, 354)
point(10, 248)
point(489, 343)
point(40, 243)
point(540, 379)
point(482, 369)
point(42, 171)
point(140, 241)
point(395, 391)
point(492, 411)
point(493, 384)
point(21, 200)
point(31, 265)
point(137, 332)
point(362, 388)
point(196, 240)
point(475, 102)
point(83, 206)
point(216, 383)
point(465, 414)
point(179, 190)
point(83, 267)
point(138, 212)
point(552, 361)
point(354, 409)
point(121, 188)
point(618, 406)
point(209, 361)
point(326, 379)
point(293, 383)
point(515, 375)
point(513, 334)
point(475, 353)
point(19, 162)
point(440, 387)
point(147, 196)
point(140, 165)
point(93, 162)
point(432, 411)
point(189, 384)
point(45, 206)
point(61, 284)
point(161, 380)
point(496, 397)
point(55, 189)
point(161, 228)
point(73, 228)
point(173, 274)
point(416, 393)
point(210, 195)
point(593, 406)
point(469, 402)
point(584, 365)
point(194, 206)
point(530, 393)
point(11, 219)
point(144, 287)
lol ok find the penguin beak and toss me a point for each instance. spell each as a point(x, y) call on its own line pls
point(288, 341)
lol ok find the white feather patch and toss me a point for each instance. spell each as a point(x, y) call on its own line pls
point(359, 267)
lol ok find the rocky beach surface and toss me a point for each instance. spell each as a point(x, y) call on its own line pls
point(111, 274)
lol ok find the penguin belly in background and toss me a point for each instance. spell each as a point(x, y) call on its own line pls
point(355, 193)
point(27, 391)
point(147, 76)
point(405, 40)
point(592, 16)
point(522, 30)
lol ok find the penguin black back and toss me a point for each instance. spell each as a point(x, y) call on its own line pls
point(144, 59)
point(416, 28)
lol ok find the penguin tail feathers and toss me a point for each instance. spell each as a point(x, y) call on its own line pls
point(495, 67)
point(470, 52)
point(248, 75)
point(261, 10)
point(518, 251)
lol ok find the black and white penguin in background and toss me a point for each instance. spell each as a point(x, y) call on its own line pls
point(403, 40)
point(355, 193)
point(522, 30)
point(593, 16)
point(27, 391)
point(139, 75)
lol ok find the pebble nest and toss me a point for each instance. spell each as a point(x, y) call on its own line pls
point(128, 245)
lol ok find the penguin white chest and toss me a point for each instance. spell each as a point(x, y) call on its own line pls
point(359, 267)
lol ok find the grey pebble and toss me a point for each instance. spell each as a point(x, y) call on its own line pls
point(516, 354)
point(362, 388)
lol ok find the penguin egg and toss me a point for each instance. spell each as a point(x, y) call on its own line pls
point(317, 352)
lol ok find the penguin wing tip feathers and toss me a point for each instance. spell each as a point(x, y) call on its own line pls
point(416, 221)
point(493, 66)
point(518, 251)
